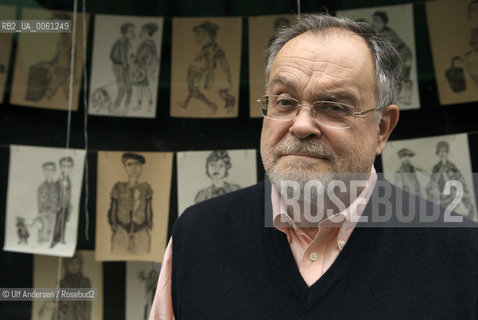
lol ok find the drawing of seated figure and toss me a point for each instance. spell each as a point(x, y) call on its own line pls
point(131, 215)
point(218, 164)
point(48, 196)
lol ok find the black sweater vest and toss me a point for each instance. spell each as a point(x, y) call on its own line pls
point(227, 265)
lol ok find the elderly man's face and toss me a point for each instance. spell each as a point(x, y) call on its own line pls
point(311, 67)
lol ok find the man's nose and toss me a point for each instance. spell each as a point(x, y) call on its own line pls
point(304, 124)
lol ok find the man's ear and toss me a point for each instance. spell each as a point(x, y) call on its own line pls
point(385, 127)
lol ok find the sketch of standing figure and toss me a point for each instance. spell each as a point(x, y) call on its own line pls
point(120, 57)
point(380, 21)
point(73, 278)
point(150, 283)
point(443, 172)
point(218, 164)
point(48, 195)
point(45, 78)
point(130, 214)
point(202, 69)
point(64, 201)
point(406, 175)
point(146, 61)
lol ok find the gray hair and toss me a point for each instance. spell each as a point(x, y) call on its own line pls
point(385, 56)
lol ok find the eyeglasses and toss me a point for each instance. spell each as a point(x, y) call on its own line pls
point(328, 113)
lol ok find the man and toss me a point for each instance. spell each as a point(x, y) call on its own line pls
point(131, 214)
point(64, 201)
point(223, 262)
point(48, 194)
point(406, 176)
point(119, 55)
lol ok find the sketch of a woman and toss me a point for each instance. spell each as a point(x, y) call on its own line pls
point(443, 172)
point(218, 164)
point(202, 68)
point(146, 61)
point(380, 21)
point(131, 215)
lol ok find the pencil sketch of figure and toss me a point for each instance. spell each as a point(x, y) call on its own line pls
point(101, 101)
point(218, 164)
point(443, 172)
point(120, 56)
point(73, 278)
point(201, 71)
point(64, 201)
point(48, 195)
point(380, 21)
point(45, 78)
point(406, 175)
point(145, 63)
point(22, 231)
point(130, 214)
point(150, 282)
point(469, 60)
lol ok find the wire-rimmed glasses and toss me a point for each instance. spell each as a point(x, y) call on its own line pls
point(328, 113)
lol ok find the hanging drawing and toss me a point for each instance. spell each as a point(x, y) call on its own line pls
point(141, 281)
point(125, 67)
point(205, 67)
point(203, 175)
point(423, 166)
point(43, 62)
point(395, 23)
point(79, 271)
point(261, 33)
point(132, 205)
point(44, 188)
point(454, 47)
point(6, 13)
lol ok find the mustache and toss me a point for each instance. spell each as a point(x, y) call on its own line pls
point(309, 146)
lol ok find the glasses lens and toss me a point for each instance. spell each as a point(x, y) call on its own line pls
point(279, 107)
point(334, 114)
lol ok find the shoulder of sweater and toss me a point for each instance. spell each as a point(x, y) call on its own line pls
point(225, 206)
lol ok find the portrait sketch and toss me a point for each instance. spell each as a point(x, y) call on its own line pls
point(395, 23)
point(43, 200)
point(261, 32)
point(79, 271)
point(43, 61)
point(205, 67)
point(203, 175)
point(132, 205)
point(423, 166)
point(141, 282)
point(125, 66)
point(6, 13)
point(454, 44)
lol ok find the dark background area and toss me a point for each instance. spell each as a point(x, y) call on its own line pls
point(42, 127)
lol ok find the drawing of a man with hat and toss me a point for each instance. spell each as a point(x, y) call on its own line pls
point(406, 177)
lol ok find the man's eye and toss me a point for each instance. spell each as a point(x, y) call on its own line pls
point(334, 108)
point(283, 103)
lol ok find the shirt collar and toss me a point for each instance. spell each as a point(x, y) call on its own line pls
point(345, 220)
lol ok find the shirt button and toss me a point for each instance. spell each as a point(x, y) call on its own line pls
point(313, 256)
point(341, 244)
